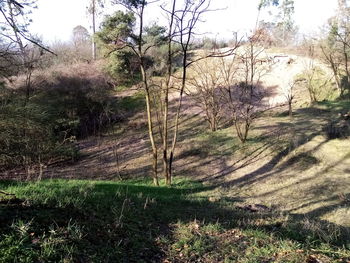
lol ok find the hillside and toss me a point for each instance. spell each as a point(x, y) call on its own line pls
point(166, 131)
point(287, 164)
point(280, 197)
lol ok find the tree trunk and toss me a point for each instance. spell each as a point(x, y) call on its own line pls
point(155, 168)
point(140, 55)
point(168, 162)
point(150, 129)
point(171, 159)
point(335, 69)
point(93, 29)
point(290, 110)
point(242, 135)
point(177, 119)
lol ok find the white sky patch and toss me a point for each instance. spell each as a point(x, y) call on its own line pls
point(310, 15)
point(54, 20)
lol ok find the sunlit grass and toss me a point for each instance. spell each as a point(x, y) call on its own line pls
point(101, 221)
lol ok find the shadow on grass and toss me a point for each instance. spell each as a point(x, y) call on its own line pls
point(306, 124)
point(126, 222)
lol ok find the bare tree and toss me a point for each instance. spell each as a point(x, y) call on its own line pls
point(288, 93)
point(336, 47)
point(16, 36)
point(183, 17)
point(205, 82)
point(14, 31)
point(334, 61)
point(315, 78)
point(242, 91)
point(167, 86)
point(187, 19)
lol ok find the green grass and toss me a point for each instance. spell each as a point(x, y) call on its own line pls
point(335, 106)
point(120, 88)
point(133, 221)
point(133, 103)
point(219, 143)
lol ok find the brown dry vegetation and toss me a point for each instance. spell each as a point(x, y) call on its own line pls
point(89, 74)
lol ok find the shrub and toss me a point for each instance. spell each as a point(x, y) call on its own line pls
point(337, 129)
point(317, 83)
point(66, 103)
point(123, 67)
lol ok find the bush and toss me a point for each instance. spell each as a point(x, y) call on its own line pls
point(78, 97)
point(209, 44)
point(123, 67)
point(318, 84)
point(337, 129)
point(67, 103)
point(27, 137)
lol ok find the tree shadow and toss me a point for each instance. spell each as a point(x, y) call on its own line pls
point(304, 128)
point(124, 222)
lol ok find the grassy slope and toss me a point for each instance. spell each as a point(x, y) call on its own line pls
point(289, 164)
point(89, 221)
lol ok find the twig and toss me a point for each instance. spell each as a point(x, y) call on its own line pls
point(4, 193)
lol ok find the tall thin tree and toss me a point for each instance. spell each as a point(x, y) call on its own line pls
point(93, 10)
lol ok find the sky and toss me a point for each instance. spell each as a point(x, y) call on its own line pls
point(54, 20)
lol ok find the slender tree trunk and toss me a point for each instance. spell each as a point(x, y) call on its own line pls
point(290, 110)
point(246, 131)
point(155, 168)
point(242, 135)
point(148, 98)
point(165, 135)
point(166, 161)
point(177, 119)
point(184, 44)
point(151, 134)
point(93, 29)
point(336, 78)
point(238, 130)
